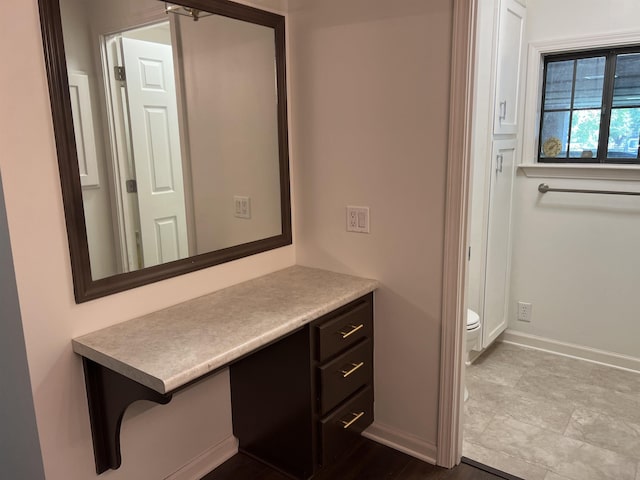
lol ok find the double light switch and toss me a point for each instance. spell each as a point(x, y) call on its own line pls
point(358, 219)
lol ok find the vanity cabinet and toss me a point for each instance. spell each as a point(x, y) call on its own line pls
point(300, 403)
point(299, 347)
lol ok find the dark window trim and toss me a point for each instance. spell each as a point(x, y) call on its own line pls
point(609, 78)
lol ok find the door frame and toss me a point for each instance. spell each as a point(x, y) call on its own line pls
point(121, 157)
point(449, 446)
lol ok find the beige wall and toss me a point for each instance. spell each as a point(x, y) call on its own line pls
point(156, 441)
point(370, 87)
point(232, 123)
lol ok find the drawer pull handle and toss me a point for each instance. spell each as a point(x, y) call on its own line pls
point(354, 329)
point(356, 366)
point(356, 417)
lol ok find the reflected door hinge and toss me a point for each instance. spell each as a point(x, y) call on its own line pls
point(119, 74)
point(132, 186)
point(469, 253)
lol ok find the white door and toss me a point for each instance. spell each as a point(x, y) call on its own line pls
point(156, 150)
point(510, 55)
point(496, 285)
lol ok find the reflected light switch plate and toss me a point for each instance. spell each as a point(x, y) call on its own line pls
point(241, 207)
point(358, 219)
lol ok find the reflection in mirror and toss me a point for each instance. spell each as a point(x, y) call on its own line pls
point(187, 143)
point(179, 122)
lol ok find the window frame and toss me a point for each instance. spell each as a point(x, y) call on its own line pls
point(610, 53)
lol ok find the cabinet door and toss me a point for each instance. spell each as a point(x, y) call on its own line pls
point(510, 55)
point(496, 285)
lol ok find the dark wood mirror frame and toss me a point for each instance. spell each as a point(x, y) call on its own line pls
point(85, 288)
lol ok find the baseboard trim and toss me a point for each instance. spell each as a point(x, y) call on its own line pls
point(473, 356)
point(401, 441)
point(594, 355)
point(207, 461)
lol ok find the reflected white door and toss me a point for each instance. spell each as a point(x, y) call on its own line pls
point(496, 285)
point(156, 150)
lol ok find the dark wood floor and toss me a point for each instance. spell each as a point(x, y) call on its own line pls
point(369, 461)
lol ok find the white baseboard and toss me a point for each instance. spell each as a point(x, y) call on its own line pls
point(571, 350)
point(409, 444)
point(207, 461)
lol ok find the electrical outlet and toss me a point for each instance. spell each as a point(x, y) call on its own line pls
point(524, 311)
point(241, 207)
point(358, 219)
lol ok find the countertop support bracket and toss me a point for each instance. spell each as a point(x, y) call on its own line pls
point(109, 394)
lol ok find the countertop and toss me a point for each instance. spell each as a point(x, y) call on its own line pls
point(167, 349)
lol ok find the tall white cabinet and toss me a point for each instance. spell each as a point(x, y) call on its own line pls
point(498, 239)
point(499, 64)
point(509, 63)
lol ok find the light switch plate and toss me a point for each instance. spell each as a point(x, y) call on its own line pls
point(358, 219)
point(241, 207)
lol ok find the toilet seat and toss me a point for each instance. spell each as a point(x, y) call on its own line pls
point(473, 320)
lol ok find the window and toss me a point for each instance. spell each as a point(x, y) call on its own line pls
point(591, 107)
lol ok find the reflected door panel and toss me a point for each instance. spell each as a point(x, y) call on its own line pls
point(156, 150)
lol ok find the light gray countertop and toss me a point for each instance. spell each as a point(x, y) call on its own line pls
point(169, 348)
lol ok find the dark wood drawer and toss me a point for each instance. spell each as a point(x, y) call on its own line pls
point(345, 374)
point(346, 329)
point(341, 430)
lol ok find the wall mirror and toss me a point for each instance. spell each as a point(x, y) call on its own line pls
point(170, 122)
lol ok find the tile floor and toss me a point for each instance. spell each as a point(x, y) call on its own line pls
point(542, 416)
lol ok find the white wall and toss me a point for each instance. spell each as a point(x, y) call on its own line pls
point(156, 441)
point(19, 447)
point(370, 86)
point(548, 19)
point(575, 256)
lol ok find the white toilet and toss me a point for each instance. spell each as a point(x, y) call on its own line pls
point(473, 334)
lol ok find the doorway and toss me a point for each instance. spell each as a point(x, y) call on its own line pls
point(563, 406)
